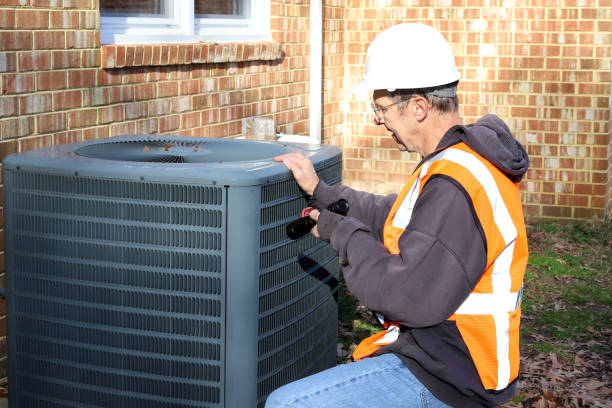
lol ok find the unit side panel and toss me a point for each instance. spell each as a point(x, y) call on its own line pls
point(298, 289)
point(115, 292)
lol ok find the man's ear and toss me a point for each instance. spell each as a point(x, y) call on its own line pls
point(421, 108)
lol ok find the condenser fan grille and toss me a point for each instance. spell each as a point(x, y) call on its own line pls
point(180, 150)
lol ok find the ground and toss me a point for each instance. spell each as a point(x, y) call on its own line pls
point(566, 329)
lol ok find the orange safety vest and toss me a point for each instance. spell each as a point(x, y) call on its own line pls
point(489, 318)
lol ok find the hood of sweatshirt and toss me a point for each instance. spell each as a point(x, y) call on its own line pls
point(491, 138)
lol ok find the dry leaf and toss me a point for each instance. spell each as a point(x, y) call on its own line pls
point(555, 362)
point(592, 385)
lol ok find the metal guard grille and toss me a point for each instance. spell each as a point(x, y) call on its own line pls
point(113, 305)
point(298, 286)
point(180, 150)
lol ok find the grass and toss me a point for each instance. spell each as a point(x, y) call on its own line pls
point(567, 316)
point(548, 347)
point(567, 282)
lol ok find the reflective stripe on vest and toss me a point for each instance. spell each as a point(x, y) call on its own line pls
point(494, 304)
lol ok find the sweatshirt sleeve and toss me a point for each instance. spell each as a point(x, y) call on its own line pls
point(442, 257)
point(370, 209)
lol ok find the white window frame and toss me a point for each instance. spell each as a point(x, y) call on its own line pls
point(185, 27)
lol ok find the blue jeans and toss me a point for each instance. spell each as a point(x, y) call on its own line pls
point(382, 381)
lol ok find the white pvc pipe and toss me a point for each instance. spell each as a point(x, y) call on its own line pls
point(316, 68)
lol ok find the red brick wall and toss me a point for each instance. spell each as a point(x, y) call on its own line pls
point(334, 72)
point(541, 65)
point(55, 91)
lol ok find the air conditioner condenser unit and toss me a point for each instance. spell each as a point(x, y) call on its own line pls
point(155, 271)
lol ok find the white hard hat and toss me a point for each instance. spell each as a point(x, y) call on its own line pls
point(408, 56)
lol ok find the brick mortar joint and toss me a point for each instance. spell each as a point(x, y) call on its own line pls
point(140, 55)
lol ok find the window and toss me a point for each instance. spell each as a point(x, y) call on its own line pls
point(154, 21)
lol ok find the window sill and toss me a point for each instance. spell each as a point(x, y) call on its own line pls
point(143, 55)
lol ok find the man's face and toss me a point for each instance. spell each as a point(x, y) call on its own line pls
point(395, 117)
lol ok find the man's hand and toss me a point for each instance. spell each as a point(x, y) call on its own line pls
point(314, 214)
point(302, 170)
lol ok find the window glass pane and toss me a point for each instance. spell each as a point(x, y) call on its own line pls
point(135, 8)
point(219, 7)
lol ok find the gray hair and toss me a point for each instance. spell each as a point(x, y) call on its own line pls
point(442, 98)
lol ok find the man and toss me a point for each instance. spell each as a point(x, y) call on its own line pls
point(442, 262)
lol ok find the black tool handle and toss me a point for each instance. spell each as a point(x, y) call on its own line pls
point(302, 226)
point(339, 207)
